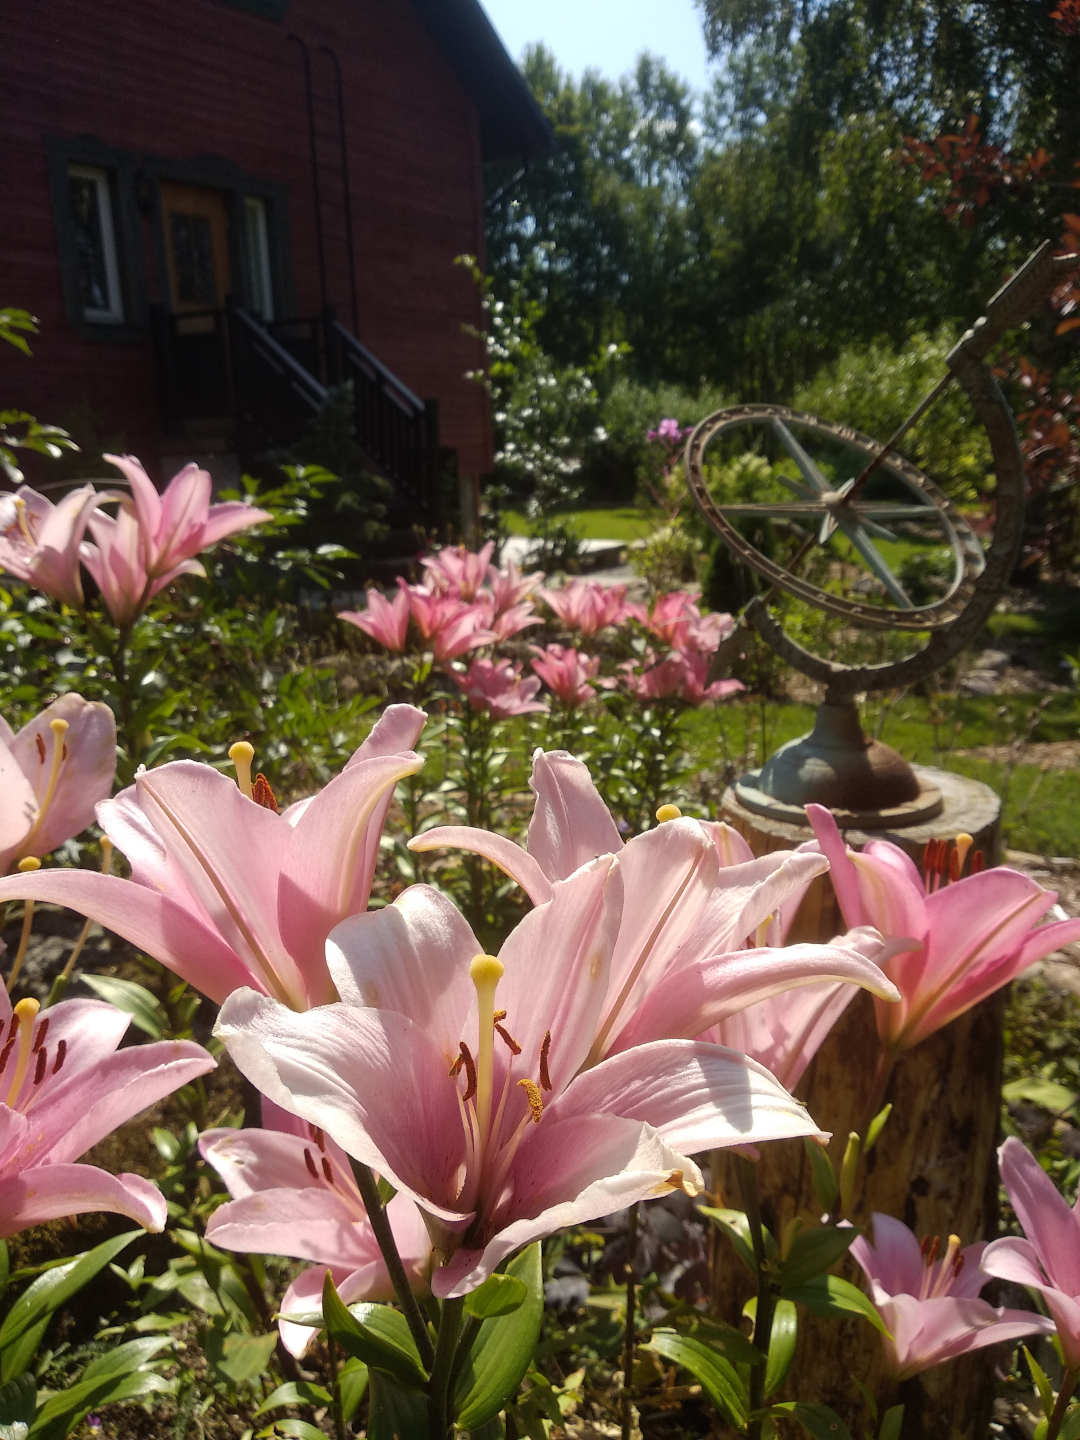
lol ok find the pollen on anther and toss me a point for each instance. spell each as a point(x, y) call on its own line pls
point(61, 1055)
point(466, 1060)
point(535, 1099)
point(5, 1053)
point(39, 1070)
point(309, 1161)
point(545, 1051)
point(326, 1170)
point(42, 1031)
point(511, 1044)
point(262, 794)
point(41, 751)
point(318, 1136)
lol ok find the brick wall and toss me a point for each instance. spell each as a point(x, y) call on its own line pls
point(180, 81)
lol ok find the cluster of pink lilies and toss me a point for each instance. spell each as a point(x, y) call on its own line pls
point(467, 604)
point(133, 555)
point(502, 1099)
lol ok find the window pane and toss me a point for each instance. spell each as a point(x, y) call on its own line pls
point(258, 258)
point(193, 256)
point(95, 253)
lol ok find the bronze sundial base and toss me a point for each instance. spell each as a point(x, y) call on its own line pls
point(867, 785)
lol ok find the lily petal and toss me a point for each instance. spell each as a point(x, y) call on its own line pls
point(510, 858)
point(373, 1080)
point(328, 860)
point(704, 992)
point(49, 1192)
point(576, 1170)
point(146, 919)
point(412, 957)
point(570, 823)
point(698, 1096)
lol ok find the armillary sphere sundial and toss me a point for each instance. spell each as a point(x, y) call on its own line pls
point(831, 480)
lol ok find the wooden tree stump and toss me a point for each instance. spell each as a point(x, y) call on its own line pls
point(933, 1167)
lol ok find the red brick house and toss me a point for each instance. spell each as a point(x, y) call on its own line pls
point(207, 205)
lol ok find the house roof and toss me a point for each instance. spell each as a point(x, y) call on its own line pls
point(512, 125)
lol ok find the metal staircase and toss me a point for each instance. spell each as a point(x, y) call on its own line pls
point(272, 380)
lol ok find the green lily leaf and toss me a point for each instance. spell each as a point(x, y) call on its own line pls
point(504, 1345)
point(376, 1335)
point(813, 1251)
point(498, 1295)
point(144, 1008)
point(821, 1422)
point(26, 1321)
point(719, 1379)
point(18, 1401)
point(834, 1299)
point(394, 1413)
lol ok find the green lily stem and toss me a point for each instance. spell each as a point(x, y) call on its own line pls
point(1061, 1404)
point(765, 1298)
point(380, 1224)
point(335, 1388)
point(628, 1342)
point(442, 1367)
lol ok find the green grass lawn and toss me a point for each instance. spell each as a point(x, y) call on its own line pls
point(627, 523)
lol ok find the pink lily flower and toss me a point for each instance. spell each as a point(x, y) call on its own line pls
point(455, 1074)
point(588, 606)
point(966, 939)
point(451, 626)
point(293, 1193)
point(509, 587)
point(115, 562)
point(386, 621)
point(785, 1032)
point(931, 1305)
point(63, 1087)
point(52, 775)
point(506, 623)
point(566, 672)
point(1047, 1258)
point(497, 687)
point(176, 525)
point(670, 611)
point(453, 570)
point(681, 961)
point(681, 676)
point(225, 891)
point(39, 541)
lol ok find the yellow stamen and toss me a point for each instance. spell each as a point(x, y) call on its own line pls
point(242, 754)
point(59, 729)
point(668, 812)
point(21, 521)
point(486, 972)
point(26, 865)
point(535, 1099)
point(26, 1012)
point(963, 844)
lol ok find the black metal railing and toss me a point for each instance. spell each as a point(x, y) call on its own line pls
point(276, 397)
point(398, 430)
point(273, 379)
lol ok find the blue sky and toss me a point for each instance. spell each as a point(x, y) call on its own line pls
point(606, 35)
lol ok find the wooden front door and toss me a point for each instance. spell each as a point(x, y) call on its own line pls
point(196, 224)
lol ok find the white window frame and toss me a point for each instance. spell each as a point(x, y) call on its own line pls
point(114, 314)
point(257, 238)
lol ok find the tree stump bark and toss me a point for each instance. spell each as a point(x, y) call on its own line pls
point(933, 1167)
